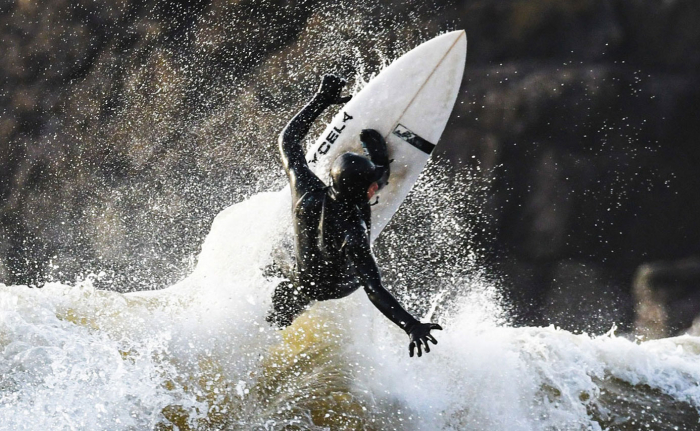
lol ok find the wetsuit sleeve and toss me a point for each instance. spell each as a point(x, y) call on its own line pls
point(357, 250)
point(301, 178)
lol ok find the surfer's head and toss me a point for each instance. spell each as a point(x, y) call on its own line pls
point(354, 177)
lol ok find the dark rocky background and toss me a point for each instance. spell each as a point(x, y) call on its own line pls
point(126, 126)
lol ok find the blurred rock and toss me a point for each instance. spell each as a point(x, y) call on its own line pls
point(583, 297)
point(126, 126)
point(576, 295)
point(667, 297)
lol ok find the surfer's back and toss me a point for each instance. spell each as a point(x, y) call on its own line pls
point(322, 227)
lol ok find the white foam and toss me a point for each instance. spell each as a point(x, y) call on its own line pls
point(75, 358)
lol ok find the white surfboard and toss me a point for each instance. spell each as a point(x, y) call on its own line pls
point(409, 103)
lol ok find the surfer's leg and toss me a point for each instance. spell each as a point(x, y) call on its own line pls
point(287, 303)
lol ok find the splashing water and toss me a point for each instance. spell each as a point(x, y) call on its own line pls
point(199, 354)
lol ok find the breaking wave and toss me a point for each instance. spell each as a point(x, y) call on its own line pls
point(199, 355)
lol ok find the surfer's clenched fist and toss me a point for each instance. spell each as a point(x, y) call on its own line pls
point(330, 89)
point(420, 335)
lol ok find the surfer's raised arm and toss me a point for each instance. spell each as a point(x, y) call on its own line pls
point(300, 175)
point(358, 251)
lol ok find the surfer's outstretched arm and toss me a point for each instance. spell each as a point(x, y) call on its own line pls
point(301, 178)
point(357, 249)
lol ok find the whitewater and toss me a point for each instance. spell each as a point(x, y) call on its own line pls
point(199, 355)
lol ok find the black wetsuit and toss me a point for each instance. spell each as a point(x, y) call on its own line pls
point(332, 234)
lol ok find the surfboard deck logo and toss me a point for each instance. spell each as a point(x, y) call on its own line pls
point(422, 144)
point(330, 139)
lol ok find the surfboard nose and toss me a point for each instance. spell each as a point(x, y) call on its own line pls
point(461, 37)
point(456, 34)
point(455, 41)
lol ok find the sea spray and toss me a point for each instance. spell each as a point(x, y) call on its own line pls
point(60, 372)
point(199, 355)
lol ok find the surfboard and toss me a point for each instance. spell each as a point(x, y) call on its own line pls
point(409, 103)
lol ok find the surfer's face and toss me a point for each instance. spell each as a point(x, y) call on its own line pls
point(372, 190)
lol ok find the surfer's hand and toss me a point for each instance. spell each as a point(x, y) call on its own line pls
point(330, 90)
point(420, 334)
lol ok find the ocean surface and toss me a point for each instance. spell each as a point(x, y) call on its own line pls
point(199, 355)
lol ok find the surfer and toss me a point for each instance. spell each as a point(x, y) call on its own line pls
point(332, 224)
